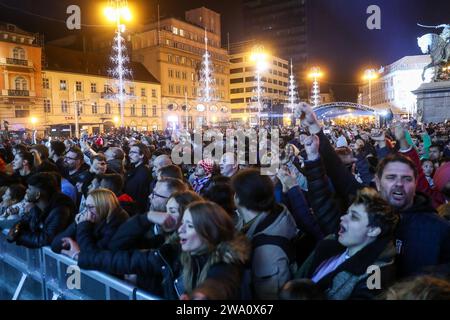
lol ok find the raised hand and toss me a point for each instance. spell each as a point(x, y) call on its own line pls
point(312, 144)
point(308, 118)
point(73, 248)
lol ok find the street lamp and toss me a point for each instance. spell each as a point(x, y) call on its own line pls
point(118, 12)
point(259, 58)
point(369, 75)
point(315, 74)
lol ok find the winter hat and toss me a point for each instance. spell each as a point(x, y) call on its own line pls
point(442, 176)
point(207, 165)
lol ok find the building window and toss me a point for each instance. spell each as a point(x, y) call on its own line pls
point(45, 83)
point(143, 94)
point(107, 108)
point(106, 88)
point(192, 76)
point(171, 88)
point(184, 75)
point(133, 110)
point(93, 87)
point(78, 86)
point(175, 30)
point(79, 108)
point(169, 58)
point(62, 85)
point(178, 90)
point(177, 74)
point(47, 107)
point(94, 108)
point(144, 110)
point(153, 93)
point(22, 113)
point(170, 73)
point(20, 83)
point(19, 53)
point(238, 80)
point(154, 111)
point(182, 32)
point(64, 106)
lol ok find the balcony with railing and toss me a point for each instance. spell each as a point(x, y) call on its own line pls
point(16, 62)
point(19, 62)
point(18, 93)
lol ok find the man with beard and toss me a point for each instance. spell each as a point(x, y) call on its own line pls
point(138, 231)
point(423, 238)
point(50, 214)
point(23, 166)
point(137, 181)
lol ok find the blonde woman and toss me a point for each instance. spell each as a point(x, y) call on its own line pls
point(103, 211)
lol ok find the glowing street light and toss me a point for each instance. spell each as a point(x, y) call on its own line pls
point(259, 58)
point(369, 75)
point(118, 12)
point(116, 120)
point(315, 74)
point(33, 120)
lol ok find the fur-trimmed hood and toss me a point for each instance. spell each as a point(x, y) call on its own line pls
point(196, 269)
point(236, 250)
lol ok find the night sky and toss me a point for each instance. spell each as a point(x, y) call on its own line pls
point(339, 40)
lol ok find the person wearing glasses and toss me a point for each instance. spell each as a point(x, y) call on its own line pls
point(103, 211)
point(50, 213)
point(140, 231)
point(138, 179)
point(204, 261)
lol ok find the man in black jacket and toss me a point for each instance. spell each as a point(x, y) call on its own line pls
point(137, 182)
point(50, 214)
point(423, 238)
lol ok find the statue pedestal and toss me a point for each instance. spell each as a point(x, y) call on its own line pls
point(433, 101)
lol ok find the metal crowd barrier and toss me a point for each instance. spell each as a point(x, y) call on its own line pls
point(41, 274)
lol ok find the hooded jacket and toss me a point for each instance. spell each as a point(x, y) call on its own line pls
point(38, 228)
point(350, 279)
point(270, 266)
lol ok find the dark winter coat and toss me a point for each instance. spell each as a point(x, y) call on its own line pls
point(39, 228)
point(217, 272)
point(349, 280)
point(102, 232)
point(137, 184)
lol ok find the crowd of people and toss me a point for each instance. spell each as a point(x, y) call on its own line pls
point(352, 212)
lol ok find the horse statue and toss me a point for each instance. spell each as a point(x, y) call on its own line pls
point(437, 47)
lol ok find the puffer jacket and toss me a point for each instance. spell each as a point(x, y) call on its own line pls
point(102, 232)
point(351, 280)
point(38, 228)
point(217, 274)
point(271, 267)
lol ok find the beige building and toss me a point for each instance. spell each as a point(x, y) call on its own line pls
point(73, 78)
point(20, 77)
point(172, 51)
point(243, 83)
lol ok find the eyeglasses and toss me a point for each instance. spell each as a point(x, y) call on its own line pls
point(154, 194)
point(73, 159)
point(89, 207)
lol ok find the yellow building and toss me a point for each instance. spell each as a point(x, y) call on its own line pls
point(243, 82)
point(172, 51)
point(74, 78)
point(20, 80)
